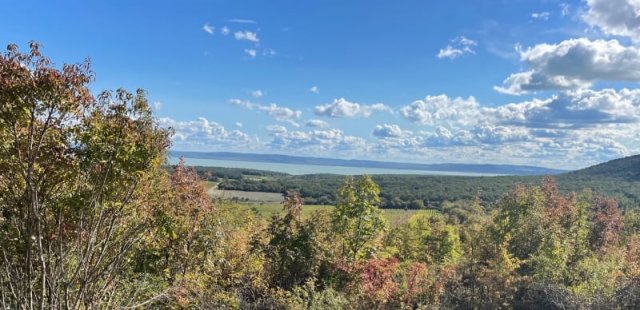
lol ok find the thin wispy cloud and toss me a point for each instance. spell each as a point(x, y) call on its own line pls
point(564, 9)
point(257, 93)
point(281, 114)
point(225, 31)
point(251, 52)
point(242, 21)
point(269, 52)
point(208, 29)
point(541, 15)
point(314, 89)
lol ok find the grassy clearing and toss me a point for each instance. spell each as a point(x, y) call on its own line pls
point(254, 197)
point(267, 204)
point(394, 216)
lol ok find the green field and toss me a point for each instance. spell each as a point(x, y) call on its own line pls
point(245, 196)
point(394, 216)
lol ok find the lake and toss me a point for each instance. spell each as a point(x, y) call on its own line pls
point(297, 169)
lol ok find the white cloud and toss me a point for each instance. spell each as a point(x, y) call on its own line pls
point(256, 93)
point(281, 114)
point(242, 21)
point(459, 46)
point(343, 108)
point(251, 52)
point(225, 31)
point(562, 129)
point(194, 135)
point(564, 9)
point(541, 15)
point(239, 125)
point(390, 131)
point(449, 52)
point(277, 129)
point(247, 36)
point(570, 130)
point(157, 105)
point(208, 29)
point(524, 82)
point(441, 108)
point(314, 89)
point(316, 123)
point(317, 141)
point(574, 63)
point(615, 17)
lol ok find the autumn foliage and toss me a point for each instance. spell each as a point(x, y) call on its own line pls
point(90, 217)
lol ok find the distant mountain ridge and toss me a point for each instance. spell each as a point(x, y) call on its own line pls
point(445, 167)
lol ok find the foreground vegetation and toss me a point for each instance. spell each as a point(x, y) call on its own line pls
point(89, 218)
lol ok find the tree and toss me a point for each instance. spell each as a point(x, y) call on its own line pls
point(357, 217)
point(425, 238)
point(76, 172)
point(291, 251)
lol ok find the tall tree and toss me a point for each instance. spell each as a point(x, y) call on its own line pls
point(75, 171)
point(357, 217)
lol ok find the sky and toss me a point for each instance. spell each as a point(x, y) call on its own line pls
point(547, 83)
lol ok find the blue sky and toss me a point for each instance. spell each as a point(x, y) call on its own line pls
point(551, 83)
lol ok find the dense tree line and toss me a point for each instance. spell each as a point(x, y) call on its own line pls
point(89, 218)
point(417, 191)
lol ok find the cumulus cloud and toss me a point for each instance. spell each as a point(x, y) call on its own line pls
point(574, 63)
point(569, 125)
point(316, 123)
point(530, 81)
point(314, 89)
point(225, 31)
point(193, 135)
point(321, 141)
point(615, 17)
point(247, 36)
point(281, 114)
point(390, 131)
point(208, 29)
point(458, 47)
point(572, 129)
point(441, 108)
point(344, 108)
